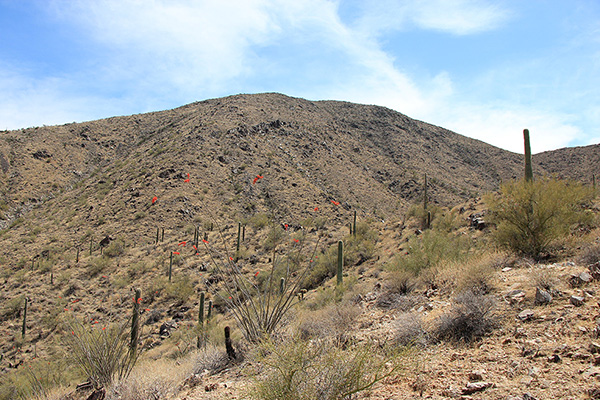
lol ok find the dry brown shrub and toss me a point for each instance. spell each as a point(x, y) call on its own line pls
point(471, 317)
point(409, 330)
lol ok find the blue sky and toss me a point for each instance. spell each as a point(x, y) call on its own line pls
point(485, 69)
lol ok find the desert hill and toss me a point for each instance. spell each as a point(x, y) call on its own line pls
point(269, 162)
point(310, 153)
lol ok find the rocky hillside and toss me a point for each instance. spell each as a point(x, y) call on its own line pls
point(309, 153)
point(275, 165)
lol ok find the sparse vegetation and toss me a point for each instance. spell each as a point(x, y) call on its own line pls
point(438, 284)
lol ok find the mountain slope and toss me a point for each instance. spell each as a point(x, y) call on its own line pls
point(103, 174)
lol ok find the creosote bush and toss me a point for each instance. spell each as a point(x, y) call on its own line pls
point(530, 216)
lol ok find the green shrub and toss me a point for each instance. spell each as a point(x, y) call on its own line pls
point(530, 216)
point(180, 289)
point(298, 369)
point(115, 248)
point(259, 221)
point(97, 265)
point(431, 249)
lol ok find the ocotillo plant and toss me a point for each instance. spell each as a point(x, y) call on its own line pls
point(135, 324)
point(528, 167)
point(340, 262)
point(24, 329)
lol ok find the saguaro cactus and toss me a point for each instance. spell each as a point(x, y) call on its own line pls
point(135, 323)
point(228, 345)
point(340, 262)
point(209, 311)
point(201, 320)
point(170, 266)
point(239, 238)
point(528, 167)
point(24, 329)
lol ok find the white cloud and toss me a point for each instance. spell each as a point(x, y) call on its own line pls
point(458, 17)
point(503, 126)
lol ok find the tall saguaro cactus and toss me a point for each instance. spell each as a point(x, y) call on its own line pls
point(135, 324)
point(24, 329)
point(528, 167)
point(201, 320)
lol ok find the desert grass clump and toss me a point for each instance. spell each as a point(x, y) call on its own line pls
point(12, 308)
point(476, 276)
point(544, 278)
point(471, 317)
point(38, 380)
point(97, 266)
point(531, 215)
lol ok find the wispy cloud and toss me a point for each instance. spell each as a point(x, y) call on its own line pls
point(457, 17)
point(157, 54)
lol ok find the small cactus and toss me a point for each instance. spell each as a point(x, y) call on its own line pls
point(200, 320)
point(209, 312)
point(354, 225)
point(281, 286)
point(228, 345)
point(170, 266)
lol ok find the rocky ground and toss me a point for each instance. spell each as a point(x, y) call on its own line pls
point(544, 349)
